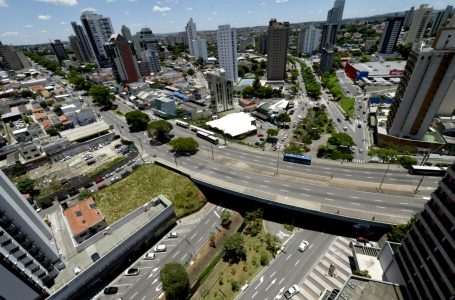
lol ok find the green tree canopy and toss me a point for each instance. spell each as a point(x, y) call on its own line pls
point(385, 154)
point(159, 130)
point(272, 132)
point(284, 118)
point(27, 94)
point(176, 284)
point(101, 95)
point(225, 217)
point(137, 120)
point(341, 139)
point(234, 249)
point(184, 145)
point(190, 72)
point(26, 186)
point(399, 231)
point(293, 149)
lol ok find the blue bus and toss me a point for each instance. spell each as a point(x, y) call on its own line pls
point(297, 158)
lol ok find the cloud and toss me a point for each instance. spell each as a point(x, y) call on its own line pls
point(60, 2)
point(249, 11)
point(44, 31)
point(9, 33)
point(89, 9)
point(63, 23)
point(214, 13)
point(161, 9)
point(263, 3)
point(29, 26)
point(110, 1)
point(44, 17)
point(281, 1)
point(3, 3)
point(189, 8)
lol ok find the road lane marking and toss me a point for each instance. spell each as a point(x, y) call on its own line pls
point(206, 222)
point(328, 199)
point(380, 206)
point(407, 210)
point(325, 168)
point(266, 181)
point(305, 189)
point(348, 175)
point(134, 295)
point(175, 254)
point(216, 214)
point(247, 177)
point(365, 172)
point(255, 293)
point(286, 185)
point(354, 197)
point(192, 237)
point(143, 298)
point(370, 177)
point(296, 263)
point(260, 282)
point(329, 193)
point(377, 200)
point(271, 283)
point(354, 203)
point(287, 258)
point(264, 186)
point(215, 168)
point(305, 195)
point(283, 190)
point(272, 275)
point(282, 279)
point(325, 172)
point(404, 203)
point(229, 177)
point(244, 181)
point(199, 239)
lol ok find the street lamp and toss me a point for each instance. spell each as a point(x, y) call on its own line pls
point(277, 161)
point(385, 173)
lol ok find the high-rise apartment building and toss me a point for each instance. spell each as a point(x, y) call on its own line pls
point(98, 29)
point(124, 64)
point(147, 49)
point(426, 257)
point(227, 51)
point(419, 24)
point(328, 37)
point(277, 49)
point(59, 50)
point(246, 41)
point(191, 34)
point(335, 14)
point(261, 46)
point(408, 16)
point(390, 35)
point(199, 49)
point(12, 58)
point(326, 64)
point(221, 91)
point(83, 45)
point(126, 32)
point(440, 19)
point(309, 40)
point(29, 259)
point(426, 89)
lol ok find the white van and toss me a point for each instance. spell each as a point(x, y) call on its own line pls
point(160, 248)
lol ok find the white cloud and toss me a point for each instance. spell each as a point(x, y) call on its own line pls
point(89, 9)
point(63, 23)
point(131, 0)
point(214, 13)
point(44, 17)
point(263, 3)
point(3, 3)
point(29, 26)
point(161, 9)
point(249, 11)
point(281, 1)
point(9, 33)
point(60, 2)
point(189, 8)
point(110, 1)
point(44, 31)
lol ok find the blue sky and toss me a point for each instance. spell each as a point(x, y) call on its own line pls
point(37, 21)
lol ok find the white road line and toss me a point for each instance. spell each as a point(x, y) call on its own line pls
point(370, 177)
point(255, 293)
point(282, 279)
point(329, 193)
point(216, 214)
point(208, 220)
point(296, 262)
point(328, 199)
point(286, 185)
point(287, 258)
point(244, 181)
point(272, 274)
point(393, 179)
point(348, 175)
point(305, 189)
point(365, 172)
point(407, 210)
point(264, 186)
point(354, 197)
point(247, 177)
point(192, 237)
point(267, 181)
point(228, 177)
point(211, 172)
point(325, 172)
point(143, 298)
point(305, 195)
point(283, 190)
point(200, 239)
point(134, 295)
point(404, 203)
point(354, 203)
point(380, 206)
point(325, 168)
point(376, 200)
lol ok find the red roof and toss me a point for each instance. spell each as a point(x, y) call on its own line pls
point(47, 124)
point(82, 216)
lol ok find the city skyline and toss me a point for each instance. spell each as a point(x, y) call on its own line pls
point(50, 19)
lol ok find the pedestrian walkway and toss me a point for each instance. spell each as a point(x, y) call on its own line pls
point(318, 279)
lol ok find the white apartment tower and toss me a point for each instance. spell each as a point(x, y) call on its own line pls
point(312, 39)
point(227, 51)
point(199, 49)
point(191, 34)
point(419, 23)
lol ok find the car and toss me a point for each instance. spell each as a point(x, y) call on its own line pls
point(360, 150)
point(160, 248)
point(110, 290)
point(359, 125)
point(77, 270)
point(361, 239)
point(345, 128)
point(132, 272)
point(98, 180)
point(173, 235)
point(107, 176)
point(95, 256)
point(291, 291)
point(303, 245)
point(358, 117)
point(149, 256)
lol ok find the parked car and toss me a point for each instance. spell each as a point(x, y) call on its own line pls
point(98, 180)
point(291, 291)
point(132, 272)
point(102, 186)
point(173, 235)
point(150, 256)
point(303, 245)
point(110, 290)
point(160, 248)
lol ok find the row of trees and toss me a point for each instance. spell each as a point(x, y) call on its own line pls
point(51, 66)
point(392, 156)
point(313, 88)
point(261, 92)
point(338, 147)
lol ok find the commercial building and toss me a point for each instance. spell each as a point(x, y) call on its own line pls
point(166, 106)
point(390, 35)
point(277, 50)
point(126, 32)
point(328, 37)
point(120, 53)
point(59, 50)
point(419, 23)
point(98, 29)
point(81, 44)
point(441, 19)
point(375, 69)
point(335, 14)
point(29, 259)
point(427, 88)
point(191, 35)
point(235, 125)
point(326, 64)
point(147, 49)
point(227, 51)
point(221, 91)
point(13, 59)
point(199, 49)
point(85, 132)
point(309, 40)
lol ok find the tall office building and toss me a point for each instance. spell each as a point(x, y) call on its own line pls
point(124, 64)
point(86, 52)
point(390, 35)
point(221, 91)
point(126, 32)
point(419, 24)
point(147, 49)
point(426, 257)
point(12, 58)
point(335, 14)
point(309, 40)
point(199, 49)
point(426, 89)
point(29, 259)
point(326, 64)
point(191, 34)
point(408, 16)
point(277, 53)
point(98, 29)
point(261, 46)
point(328, 37)
point(441, 19)
point(59, 50)
point(227, 51)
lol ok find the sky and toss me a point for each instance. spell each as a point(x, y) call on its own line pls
point(37, 21)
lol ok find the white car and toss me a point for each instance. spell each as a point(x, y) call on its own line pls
point(160, 248)
point(150, 256)
point(303, 245)
point(291, 291)
point(173, 235)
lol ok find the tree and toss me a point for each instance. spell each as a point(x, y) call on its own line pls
point(399, 231)
point(176, 284)
point(190, 72)
point(284, 118)
point(341, 139)
point(137, 120)
point(184, 145)
point(234, 249)
point(406, 161)
point(293, 149)
point(27, 94)
point(385, 154)
point(159, 130)
point(26, 186)
point(101, 95)
point(272, 242)
point(253, 222)
point(225, 219)
point(212, 240)
point(52, 131)
point(272, 132)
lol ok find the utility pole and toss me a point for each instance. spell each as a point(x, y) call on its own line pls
point(213, 156)
point(418, 185)
point(277, 161)
point(385, 173)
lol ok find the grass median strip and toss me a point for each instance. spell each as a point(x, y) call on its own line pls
point(106, 166)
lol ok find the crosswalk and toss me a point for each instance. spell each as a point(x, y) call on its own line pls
point(319, 280)
point(357, 122)
point(359, 161)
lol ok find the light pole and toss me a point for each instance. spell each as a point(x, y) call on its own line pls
point(385, 173)
point(213, 156)
point(277, 161)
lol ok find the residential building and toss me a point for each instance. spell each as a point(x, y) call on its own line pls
point(126, 32)
point(11, 58)
point(147, 49)
point(261, 46)
point(98, 29)
point(419, 24)
point(390, 35)
point(124, 64)
point(83, 47)
point(309, 40)
point(441, 19)
point(326, 64)
point(426, 89)
point(152, 61)
point(227, 51)
point(277, 54)
point(29, 258)
point(335, 14)
point(199, 49)
point(246, 41)
point(221, 91)
point(328, 37)
point(166, 106)
point(191, 34)
point(426, 257)
point(59, 50)
point(408, 16)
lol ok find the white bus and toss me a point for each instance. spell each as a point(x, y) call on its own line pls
point(203, 135)
point(427, 170)
point(182, 124)
point(195, 128)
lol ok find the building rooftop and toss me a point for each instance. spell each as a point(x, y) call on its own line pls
point(82, 216)
point(362, 288)
point(381, 69)
point(234, 124)
point(84, 131)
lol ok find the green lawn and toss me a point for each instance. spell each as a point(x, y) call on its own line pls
point(141, 186)
point(347, 104)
